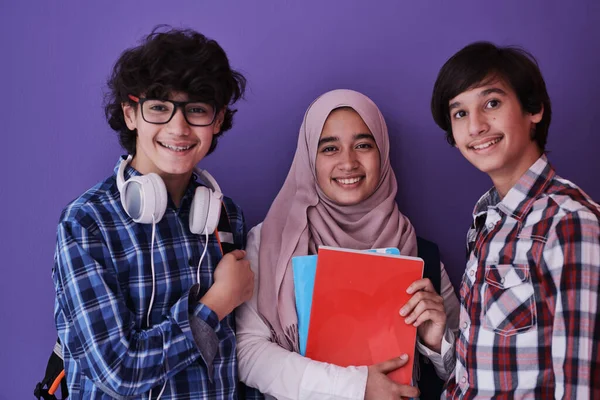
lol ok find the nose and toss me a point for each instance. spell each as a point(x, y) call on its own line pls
point(477, 123)
point(348, 161)
point(178, 124)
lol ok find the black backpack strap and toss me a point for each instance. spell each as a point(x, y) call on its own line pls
point(224, 232)
point(226, 240)
point(430, 253)
point(430, 385)
point(54, 377)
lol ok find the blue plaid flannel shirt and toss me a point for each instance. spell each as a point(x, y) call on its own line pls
point(102, 276)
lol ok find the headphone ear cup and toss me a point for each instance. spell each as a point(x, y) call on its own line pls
point(160, 197)
point(214, 212)
point(199, 210)
point(144, 196)
point(205, 211)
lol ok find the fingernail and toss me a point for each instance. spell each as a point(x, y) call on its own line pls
point(403, 311)
point(404, 356)
point(409, 290)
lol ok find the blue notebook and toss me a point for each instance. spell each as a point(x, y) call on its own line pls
point(305, 270)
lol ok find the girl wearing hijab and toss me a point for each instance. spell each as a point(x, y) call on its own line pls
point(340, 191)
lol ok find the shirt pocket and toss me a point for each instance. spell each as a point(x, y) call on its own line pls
point(508, 299)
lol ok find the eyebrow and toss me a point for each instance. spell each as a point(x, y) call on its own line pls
point(357, 136)
point(483, 93)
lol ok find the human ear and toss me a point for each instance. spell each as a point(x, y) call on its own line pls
point(220, 117)
point(130, 116)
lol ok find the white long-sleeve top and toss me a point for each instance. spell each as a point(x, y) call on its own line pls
point(285, 375)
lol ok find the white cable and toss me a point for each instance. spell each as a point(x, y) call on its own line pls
point(153, 284)
point(152, 266)
point(202, 257)
point(161, 391)
point(159, 394)
point(153, 281)
point(152, 296)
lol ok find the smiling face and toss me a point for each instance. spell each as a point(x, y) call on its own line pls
point(493, 132)
point(171, 149)
point(348, 162)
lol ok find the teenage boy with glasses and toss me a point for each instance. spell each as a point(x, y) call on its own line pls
point(144, 310)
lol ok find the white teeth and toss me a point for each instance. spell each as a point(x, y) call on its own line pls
point(176, 148)
point(486, 145)
point(348, 181)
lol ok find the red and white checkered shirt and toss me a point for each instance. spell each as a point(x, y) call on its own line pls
point(530, 312)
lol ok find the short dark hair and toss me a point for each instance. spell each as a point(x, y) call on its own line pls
point(478, 63)
point(172, 60)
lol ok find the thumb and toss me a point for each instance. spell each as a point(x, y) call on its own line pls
point(393, 364)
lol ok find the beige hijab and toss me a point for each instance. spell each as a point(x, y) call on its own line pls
point(302, 218)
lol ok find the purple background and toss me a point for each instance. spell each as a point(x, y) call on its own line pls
point(55, 57)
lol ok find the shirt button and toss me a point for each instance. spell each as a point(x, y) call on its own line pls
point(465, 325)
point(463, 379)
point(491, 226)
point(472, 272)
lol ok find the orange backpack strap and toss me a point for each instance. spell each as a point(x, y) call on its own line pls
point(54, 377)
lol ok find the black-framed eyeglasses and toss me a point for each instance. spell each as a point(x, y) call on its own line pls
point(158, 111)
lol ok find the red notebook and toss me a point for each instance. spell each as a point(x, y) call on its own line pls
point(355, 317)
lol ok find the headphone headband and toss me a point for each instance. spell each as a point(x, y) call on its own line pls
point(203, 174)
point(144, 198)
point(207, 179)
point(121, 172)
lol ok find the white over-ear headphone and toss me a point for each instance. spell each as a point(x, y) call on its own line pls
point(144, 198)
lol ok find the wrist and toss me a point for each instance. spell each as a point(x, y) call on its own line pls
point(433, 345)
point(216, 301)
point(437, 348)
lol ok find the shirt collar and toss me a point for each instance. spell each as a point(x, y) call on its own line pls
point(520, 198)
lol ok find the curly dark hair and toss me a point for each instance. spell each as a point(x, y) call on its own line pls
point(172, 60)
point(475, 65)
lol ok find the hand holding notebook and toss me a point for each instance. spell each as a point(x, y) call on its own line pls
point(379, 386)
